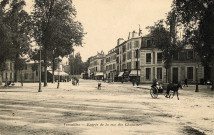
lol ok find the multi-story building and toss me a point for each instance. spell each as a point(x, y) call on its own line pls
point(96, 67)
point(184, 65)
point(30, 73)
point(128, 63)
point(139, 58)
point(110, 65)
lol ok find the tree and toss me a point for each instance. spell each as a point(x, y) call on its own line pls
point(55, 29)
point(198, 20)
point(165, 39)
point(5, 38)
point(77, 66)
point(19, 22)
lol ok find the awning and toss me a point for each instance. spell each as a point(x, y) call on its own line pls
point(61, 73)
point(134, 73)
point(99, 74)
point(120, 74)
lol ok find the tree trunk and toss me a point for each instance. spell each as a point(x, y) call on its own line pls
point(21, 79)
point(53, 67)
point(34, 76)
point(45, 68)
point(1, 78)
point(166, 75)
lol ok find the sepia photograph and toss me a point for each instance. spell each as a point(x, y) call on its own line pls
point(106, 67)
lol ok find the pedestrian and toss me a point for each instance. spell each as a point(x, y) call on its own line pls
point(186, 82)
point(133, 82)
point(77, 83)
point(154, 83)
point(99, 85)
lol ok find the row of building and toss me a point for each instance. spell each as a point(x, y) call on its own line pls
point(138, 58)
point(30, 74)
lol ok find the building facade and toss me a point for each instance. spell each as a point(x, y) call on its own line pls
point(110, 66)
point(184, 64)
point(96, 67)
point(128, 62)
point(138, 58)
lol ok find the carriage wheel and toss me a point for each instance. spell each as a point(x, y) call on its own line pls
point(154, 92)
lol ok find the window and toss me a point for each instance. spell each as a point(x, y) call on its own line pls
point(149, 43)
point(159, 73)
point(190, 55)
point(148, 58)
point(113, 66)
point(124, 48)
point(129, 55)
point(136, 44)
point(159, 57)
point(124, 66)
point(190, 73)
point(124, 57)
point(129, 65)
point(148, 73)
point(110, 67)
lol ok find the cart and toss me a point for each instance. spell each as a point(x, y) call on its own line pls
point(158, 89)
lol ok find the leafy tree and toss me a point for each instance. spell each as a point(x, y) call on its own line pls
point(5, 38)
point(55, 29)
point(19, 22)
point(165, 40)
point(77, 66)
point(197, 18)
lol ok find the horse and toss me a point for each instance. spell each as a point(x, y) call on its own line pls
point(173, 88)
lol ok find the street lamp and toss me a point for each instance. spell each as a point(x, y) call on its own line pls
point(137, 67)
point(196, 70)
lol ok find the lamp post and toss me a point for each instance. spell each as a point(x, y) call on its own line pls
point(196, 71)
point(40, 70)
point(137, 67)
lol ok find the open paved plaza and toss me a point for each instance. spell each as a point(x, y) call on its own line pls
point(116, 109)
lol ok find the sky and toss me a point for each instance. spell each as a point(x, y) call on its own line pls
point(105, 21)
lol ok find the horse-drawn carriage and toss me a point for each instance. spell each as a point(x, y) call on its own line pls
point(166, 89)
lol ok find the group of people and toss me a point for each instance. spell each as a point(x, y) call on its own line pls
point(75, 81)
point(135, 81)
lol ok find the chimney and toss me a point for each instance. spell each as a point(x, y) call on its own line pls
point(119, 41)
point(133, 34)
